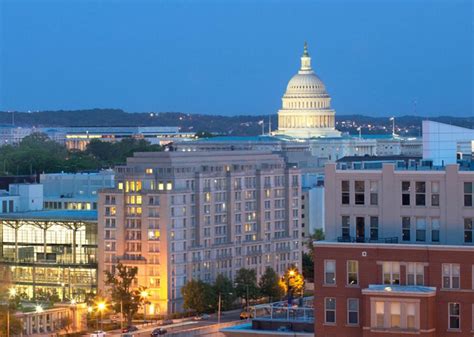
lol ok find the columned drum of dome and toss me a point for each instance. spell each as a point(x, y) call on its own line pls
point(306, 106)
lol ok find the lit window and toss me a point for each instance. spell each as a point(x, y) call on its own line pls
point(411, 315)
point(380, 314)
point(169, 186)
point(352, 272)
point(395, 312)
point(149, 171)
point(161, 186)
point(120, 186)
point(391, 272)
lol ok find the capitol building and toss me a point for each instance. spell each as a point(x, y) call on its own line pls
point(306, 106)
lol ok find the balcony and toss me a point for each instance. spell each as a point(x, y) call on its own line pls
point(367, 240)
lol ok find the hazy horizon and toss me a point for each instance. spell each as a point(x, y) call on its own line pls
point(235, 58)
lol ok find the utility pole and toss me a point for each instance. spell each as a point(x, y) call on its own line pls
point(219, 310)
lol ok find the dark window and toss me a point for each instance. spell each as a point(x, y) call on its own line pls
point(405, 193)
point(468, 191)
point(468, 230)
point(346, 226)
point(345, 189)
point(406, 227)
point(374, 227)
point(420, 187)
point(359, 192)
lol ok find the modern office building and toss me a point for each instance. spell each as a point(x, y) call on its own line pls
point(370, 289)
point(445, 144)
point(414, 205)
point(21, 198)
point(179, 216)
point(51, 255)
point(75, 191)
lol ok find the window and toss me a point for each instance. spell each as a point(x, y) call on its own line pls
point(451, 275)
point(359, 192)
point(415, 273)
point(406, 226)
point(391, 272)
point(374, 197)
point(411, 315)
point(468, 230)
point(330, 310)
point(395, 314)
point(380, 314)
point(435, 230)
point(345, 189)
point(435, 193)
point(420, 188)
point(468, 191)
point(352, 273)
point(405, 193)
point(346, 227)
point(329, 272)
point(420, 229)
point(454, 316)
point(374, 228)
point(353, 311)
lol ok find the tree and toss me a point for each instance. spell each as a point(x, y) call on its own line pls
point(9, 304)
point(269, 284)
point(121, 292)
point(308, 259)
point(198, 296)
point(224, 286)
point(292, 282)
point(246, 284)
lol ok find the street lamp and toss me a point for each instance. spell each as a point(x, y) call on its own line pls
point(144, 295)
point(101, 308)
point(11, 293)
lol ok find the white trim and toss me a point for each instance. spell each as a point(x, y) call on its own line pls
point(402, 246)
point(335, 274)
point(347, 274)
point(449, 316)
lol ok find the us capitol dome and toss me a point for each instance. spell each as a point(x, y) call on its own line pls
point(306, 108)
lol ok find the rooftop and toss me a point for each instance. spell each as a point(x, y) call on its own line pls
point(59, 215)
point(397, 289)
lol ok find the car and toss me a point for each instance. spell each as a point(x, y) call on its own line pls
point(158, 332)
point(130, 328)
point(245, 315)
point(98, 333)
point(202, 317)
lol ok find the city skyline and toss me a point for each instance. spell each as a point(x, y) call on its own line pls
point(156, 63)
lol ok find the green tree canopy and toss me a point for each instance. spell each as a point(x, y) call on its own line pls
point(224, 286)
point(198, 296)
point(246, 281)
point(270, 285)
point(121, 290)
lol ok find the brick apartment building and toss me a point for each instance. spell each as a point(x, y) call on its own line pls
point(399, 256)
point(393, 290)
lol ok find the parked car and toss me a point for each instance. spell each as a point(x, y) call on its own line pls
point(158, 332)
point(245, 315)
point(130, 328)
point(203, 317)
point(98, 333)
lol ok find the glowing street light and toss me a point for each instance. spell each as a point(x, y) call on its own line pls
point(39, 309)
point(144, 295)
point(101, 307)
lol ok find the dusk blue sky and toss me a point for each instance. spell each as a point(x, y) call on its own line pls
point(236, 57)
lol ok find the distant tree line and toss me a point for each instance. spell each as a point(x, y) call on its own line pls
point(37, 154)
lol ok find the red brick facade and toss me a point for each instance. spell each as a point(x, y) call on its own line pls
point(381, 306)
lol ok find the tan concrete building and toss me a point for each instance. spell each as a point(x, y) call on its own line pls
point(410, 206)
point(184, 215)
